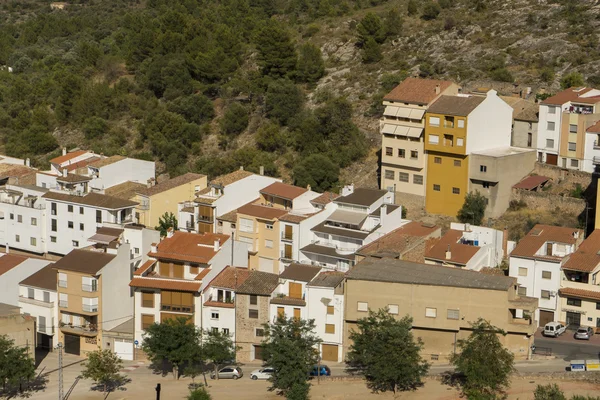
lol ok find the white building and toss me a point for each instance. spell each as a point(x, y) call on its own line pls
point(325, 303)
point(71, 160)
point(13, 269)
point(38, 298)
point(468, 246)
point(290, 296)
point(362, 215)
point(536, 263)
point(112, 171)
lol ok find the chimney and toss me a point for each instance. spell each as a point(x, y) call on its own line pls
point(170, 232)
point(505, 242)
point(64, 151)
point(383, 212)
point(65, 172)
point(261, 170)
point(348, 189)
point(437, 89)
point(7, 248)
point(154, 248)
point(217, 245)
point(448, 253)
point(308, 187)
point(241, 167)
point(27, 162)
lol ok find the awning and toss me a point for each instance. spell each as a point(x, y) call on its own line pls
point(390, 111)
point(415, 132)
point(347, 217)
point(103, 239)
point(416, 114)
point(403, 112)
point(402, 130)
point(389, 129)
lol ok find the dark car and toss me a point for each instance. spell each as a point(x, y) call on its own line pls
point(322, 370)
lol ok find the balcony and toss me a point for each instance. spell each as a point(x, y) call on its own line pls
point(91, 308)
point(144, 205)
point(88, 330)
point(177, 308)
point(30, 205)
point(288, 237)
point(49, 330)
point(35, 302)
point(63, 303)
point(90, 288)
point(342, 250)
point(206, 218)
point(286, 256)
point(189, 225)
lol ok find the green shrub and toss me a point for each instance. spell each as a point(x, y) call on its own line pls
point(235, 120)
point(430, 11)
point(95, 128)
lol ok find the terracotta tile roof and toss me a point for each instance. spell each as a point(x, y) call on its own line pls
point(295, 218)
point(68, 156)
point(228, 179)
point(92, 199)
point(328, 279)
point(283, 190)
point(325, 198)
point(400, 240)
point(531, 182)
point(189, 247)
point(259, 283)
point(459, 253)
point(187, 209)
point(594, 128)
point(9, 261)
point(455, 105)
point(73, 178)
point(492, 271)
point(25, 174)
point(170, 184)
point(84, 261)
point(573, 95)
point(523, 110)
point(288, 301)
point(218, 304)
point(106, 161)
point(231, 216)
point(230, 278)
point(587, 256)
point(202, 274)
point(265, 212)
point(45, 278)
point(166, 284)
point(417, 91)
point(586, 294)
point(81, 164)
point(300, 272)
point(540, 234)
point(125, 190)
point(145, 267)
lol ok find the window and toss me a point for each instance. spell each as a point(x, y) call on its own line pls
point(52, 239)
point(70, 224)
point(226, 331)
point(551, 110)
point(75, 243)
point(259, 332)
point(253, 299)
point(389, 151)
point(81, 210)
point(81, 226)
point(522, 291)
point(550, 143)
point(522, 271)
point(434, 121)
point(330, 310)
point(63, 300)
point(418, 179)
point(389, 174)
point(461, 123)
point(19, 218)
point(545, 294)
point(455, 190)
point(572, 146)
point(598, 305)
point(362, 306)
point(46, 297)
point(434, 139)
point(401, 153)
point(573, 302)
point(486, 185)
point(33, 241)
point(17, 238)
point(215, 330)
point(550, 126)
point(414, 155)
point(572, 128)
point(147, 299)
point(436, 187)
point(269, 227)
point(136, 250)
point(147, 320)
point(246, 225)
point(214, 315)
point(457, 163)
point(12, 216)
point(574, 163)
point(448, 140)
point(430, 312)
point(268, 244)
point(33, 221)
point(403, 176)
point(253, 314)
point(546, 275)
point(453, 314)
point(70, 208)
point(53, 225)
point(393, 309)
point(437, 160)
point(98, 216)
point(30, 293)
point(53, 208)
point(460, 142)
point(483, 168)
point(329, 328)
point(62, 279)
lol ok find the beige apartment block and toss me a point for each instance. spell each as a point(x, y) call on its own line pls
point(441, 301)
point(156, 200)
point(403, 160)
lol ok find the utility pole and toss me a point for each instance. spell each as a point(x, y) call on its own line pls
point(61, 394)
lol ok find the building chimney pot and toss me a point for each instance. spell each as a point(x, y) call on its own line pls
point(241, 167)
point(505, 242)
point(217, 245)
point(170, 232)
point(308, 188)
point(448, 253)
point(65, 172)
point(7, 248)
point(64, 151)
point(154, 248)
point(438, 89)
point(27, 162)
point(261, 170)
point(383, 212)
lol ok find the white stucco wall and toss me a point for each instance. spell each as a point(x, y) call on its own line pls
point(117, 302)
point(9, 281)
point(489, 124)
point(128, 169)
point(317, 309)
point(224, 257)
point(241, 192)
point(544, 133)
point(48, 310)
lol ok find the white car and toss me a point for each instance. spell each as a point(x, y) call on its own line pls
point(261, 373)
point(554, 329)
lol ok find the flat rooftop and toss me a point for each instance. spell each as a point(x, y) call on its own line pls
point(503, 151)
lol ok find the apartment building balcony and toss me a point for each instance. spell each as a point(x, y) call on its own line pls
point(90, 308)
point(48, 330)
point(93, 288)
point(177, 308)
point(286, 256)
point(87, 330)
point(30, 205)
point(287, 237)
point(342, 250)
point(595, 160)
point(189, 225)
point(35, 302)
point(206, 218)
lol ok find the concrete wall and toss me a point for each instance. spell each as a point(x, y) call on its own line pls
point(249, 186)
point(224, 257)
point(21, 329)
point(549, 201)
point(544, 133)
point(245, 335)
point(521, 130)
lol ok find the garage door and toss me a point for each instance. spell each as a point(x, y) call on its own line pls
point(330, 352)
point(545, 317)
point(124, 349)
point(552, 159)
point(258, 352)
point(72, 344)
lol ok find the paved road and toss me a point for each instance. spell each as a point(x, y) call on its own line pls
point(568, 349)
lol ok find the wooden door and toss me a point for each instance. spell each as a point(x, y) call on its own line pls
point(297, 313)
point(288, 251)
point(329, 352)
point(295, 290)
point(552, 159)
point(545, 317)
point(258, 352)
point(549, 249)
point(288, 232)
point(280, 311)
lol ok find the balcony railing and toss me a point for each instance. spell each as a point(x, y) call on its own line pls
point(144, 205)
point(596, 160)
point(205, 218)
point(89, 288)
point(89, 307)
point(340, 249)
point(286, 256)
point(596, 145)
point(33, 206)
point(177, 308)
point(35, 302)
point(287, 236)
point(63, 303)
point(46, 329)
point(62, 283)
point(86, 329)
point(189, 225)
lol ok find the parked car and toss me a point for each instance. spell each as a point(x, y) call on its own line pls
point(584, 332)
point(323, 371)
point(554, 329)
point(229, 372)
point(261, 373)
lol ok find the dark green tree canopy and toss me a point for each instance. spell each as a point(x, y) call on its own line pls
point(283, 100)
point(473, 209)
point(318, 171)
point(235, 120)
point(311, 66)
point(371, 27)
point(103, 366)
point(16, 366)
point(276, 50)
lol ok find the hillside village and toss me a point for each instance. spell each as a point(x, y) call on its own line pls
point(85, 262)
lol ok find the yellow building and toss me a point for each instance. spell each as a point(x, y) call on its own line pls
point(163, 197)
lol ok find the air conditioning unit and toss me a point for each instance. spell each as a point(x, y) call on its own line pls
point(552, 293)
